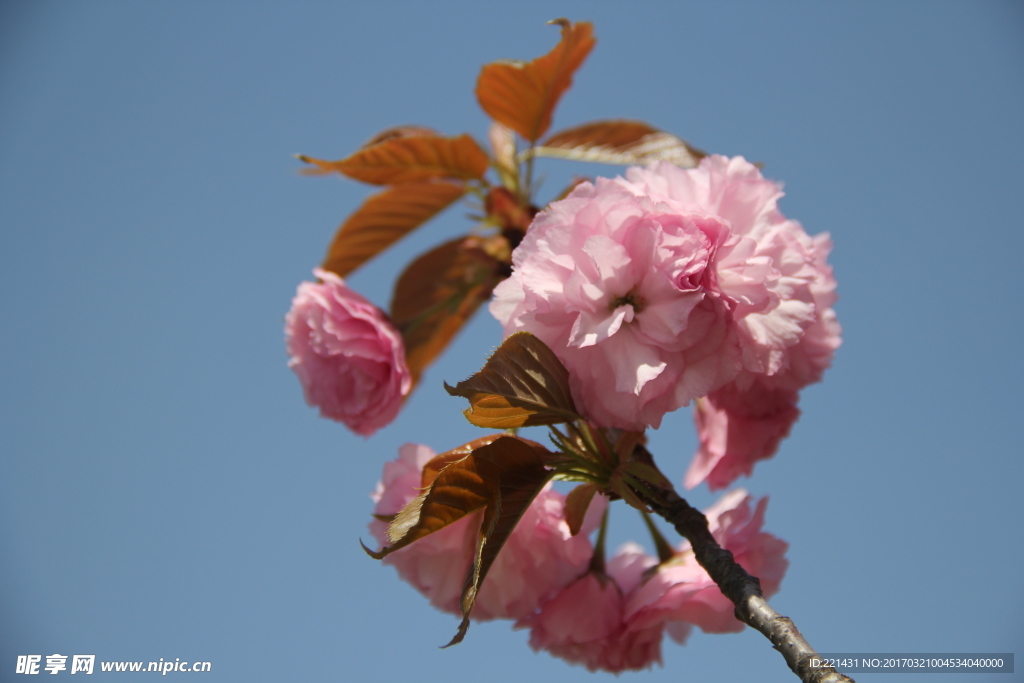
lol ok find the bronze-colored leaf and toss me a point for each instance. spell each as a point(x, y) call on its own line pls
point(439, 462)
point(385, 218)
point(522, 384)
point(466, 484)
point(576, 505)
point(517, 467)
point(503, 476)
point(523, 95)
point(400, 132)
point(411, 158)
point(435, 296)
point(619, 142)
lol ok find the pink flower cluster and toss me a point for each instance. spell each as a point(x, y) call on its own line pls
point(671, 285)
point(613, 621)
point(616, 622)
point(349, 358)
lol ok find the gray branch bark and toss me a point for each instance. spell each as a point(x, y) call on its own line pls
point(735, 583)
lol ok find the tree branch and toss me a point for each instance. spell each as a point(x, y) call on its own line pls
point(735, 583)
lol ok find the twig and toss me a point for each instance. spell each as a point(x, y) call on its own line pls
point(735, 583)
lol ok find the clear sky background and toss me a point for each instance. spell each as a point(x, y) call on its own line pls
point(164, 490)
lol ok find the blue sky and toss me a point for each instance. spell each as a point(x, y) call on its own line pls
point(164, 490)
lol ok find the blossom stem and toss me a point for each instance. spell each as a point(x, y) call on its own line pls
point(527, 188)
point(735, 583)
point(664, 548)
point(597, 560)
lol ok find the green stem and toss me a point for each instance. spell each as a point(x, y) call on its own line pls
point(524, 192)
point(597, 561)
point(587, 436)
point(665, 551)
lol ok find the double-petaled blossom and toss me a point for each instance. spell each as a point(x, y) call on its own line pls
point(586, 623)
point(615, 621)
point(349, 358)
point(539, 558)
point(615, 283)
point(667, 285)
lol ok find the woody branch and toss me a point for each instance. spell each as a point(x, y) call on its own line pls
point(735, 583)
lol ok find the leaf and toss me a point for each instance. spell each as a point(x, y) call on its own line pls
point(385, 218)
point(487, 468)
point(503, 476)
point(619, 142)
point(576, 504)
point(517, 466)
point(409, 158)
point(522, 384)
point(523, 95)
point(439, 462)
point(458, 490)
point(386, 134)
point(399, 132)
point(435, 296)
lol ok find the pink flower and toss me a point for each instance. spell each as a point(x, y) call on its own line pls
point(539, 558)
point(585, 623)
point(616, 621)
point(349, 358)
point(663, 286)
point(736, 429)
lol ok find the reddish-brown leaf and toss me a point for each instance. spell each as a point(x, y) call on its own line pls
point(576, 505)
point(439, 462)
point(502, 474)
point(522, 384)
point(459, 489)
point(386, 134)
point(516, 465)
point(385, 218)
point(435, 296)
point(500, 471)
point(619, 142)
point(523, 95)
point(400, 132)
point(410, 158)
